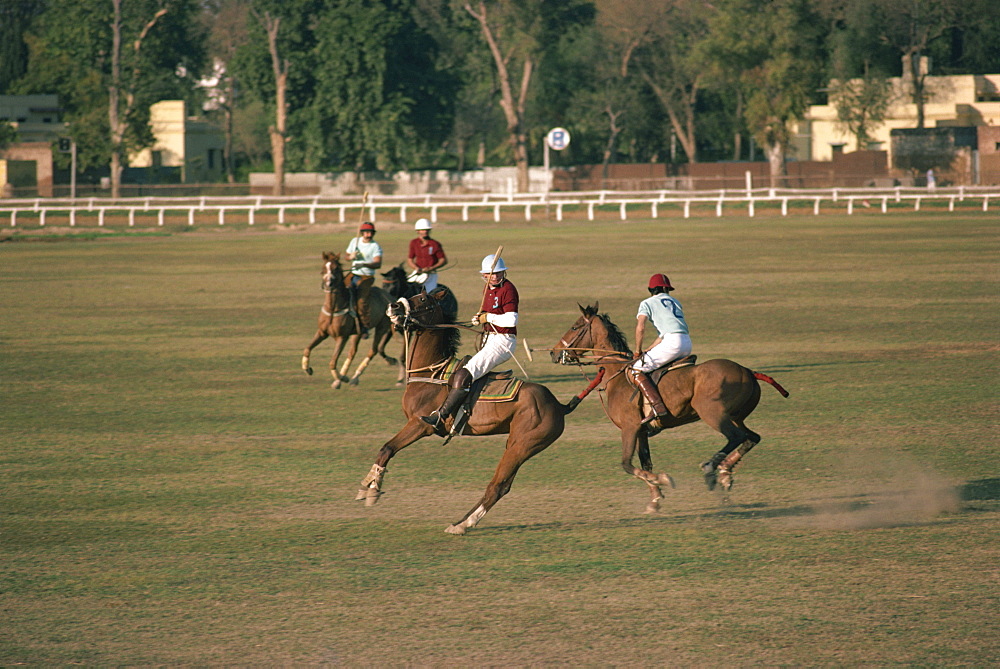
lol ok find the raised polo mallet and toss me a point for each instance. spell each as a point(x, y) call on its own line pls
point(496, 257)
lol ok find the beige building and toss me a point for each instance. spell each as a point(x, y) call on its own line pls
point(193, 145)
point(958, 100)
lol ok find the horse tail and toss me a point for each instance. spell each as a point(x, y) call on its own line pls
point(768, 379)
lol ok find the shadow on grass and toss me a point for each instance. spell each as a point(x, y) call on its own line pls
point(981, 490)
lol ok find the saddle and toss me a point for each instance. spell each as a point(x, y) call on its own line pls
point(655, 376)
point(493, 387)
point(658, 373)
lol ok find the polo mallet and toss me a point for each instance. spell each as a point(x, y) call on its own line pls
point(357, 249)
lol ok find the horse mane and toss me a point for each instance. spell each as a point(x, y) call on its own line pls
point(615, 336)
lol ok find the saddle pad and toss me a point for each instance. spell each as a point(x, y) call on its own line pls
point(500, 390)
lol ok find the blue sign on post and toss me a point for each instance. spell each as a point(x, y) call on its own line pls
point(558, 138)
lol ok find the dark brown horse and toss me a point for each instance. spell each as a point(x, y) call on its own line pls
point(533, 419)
point(719, 392)
point(339, 321)
point(395, 284)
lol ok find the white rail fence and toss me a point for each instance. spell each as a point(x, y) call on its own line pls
point(637, 203)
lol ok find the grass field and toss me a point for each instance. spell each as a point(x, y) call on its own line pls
point(174, 490)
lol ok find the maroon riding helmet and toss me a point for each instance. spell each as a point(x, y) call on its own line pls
point(367, 225)
point(660, 281)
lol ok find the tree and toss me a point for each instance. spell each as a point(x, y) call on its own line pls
point(772, 49)
point(660, 41)
point(507, 29)
point(15, 19)
point(227, 34)
point(279, 66)
point(108, 62)
point(910, 27)
point(861, 105)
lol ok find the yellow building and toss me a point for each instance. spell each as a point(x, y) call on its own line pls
point(193, 145)
point(958, 100)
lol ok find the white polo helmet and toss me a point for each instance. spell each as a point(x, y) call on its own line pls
point(422, 224)
point(488, 265)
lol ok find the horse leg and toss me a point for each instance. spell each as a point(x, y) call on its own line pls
point(352, 350)
point(518, 451)
point(383, 342)
point(735, 435)
point(371, 485)
point(361, 368)
point(724, 473)
point(637, 436)
point(320, 336)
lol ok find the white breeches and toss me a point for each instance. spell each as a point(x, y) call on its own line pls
point(671, 347)
point(429, 280)
point(496, 349)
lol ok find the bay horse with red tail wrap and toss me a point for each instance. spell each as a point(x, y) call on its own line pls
point(720, 393)
point(534, 418)
point(338, 320)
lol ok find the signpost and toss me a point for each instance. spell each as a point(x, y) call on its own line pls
point(558, 139)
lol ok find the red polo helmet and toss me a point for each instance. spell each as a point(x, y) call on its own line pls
point(367, 225)
point(660, 281)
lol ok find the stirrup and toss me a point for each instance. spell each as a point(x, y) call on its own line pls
point(653, 416)
point(437, 422)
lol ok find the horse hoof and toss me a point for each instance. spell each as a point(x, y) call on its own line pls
point(400, 384)
point(455, 529)
point(352, 382)
point(308, 370)
point(666, 479)
point(392, 362)
point(653, 507)
point(725, 479)
point(371, 496)
point(362, 494)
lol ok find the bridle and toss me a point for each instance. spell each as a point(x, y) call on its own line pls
point(331, 285)
point(569, 354)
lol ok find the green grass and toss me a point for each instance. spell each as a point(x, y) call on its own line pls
point(173, 490)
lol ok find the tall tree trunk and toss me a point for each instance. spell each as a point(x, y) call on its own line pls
point(513, 109)
point(277, 131)
point(117, 116)
point(776, 163)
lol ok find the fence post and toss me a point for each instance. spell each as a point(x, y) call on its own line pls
point(496, 213)
point(687, 208)
point(131, 218)
point(402, 214)
point(222, 215)
point(784, 206)
point(190, 216)
point(100, 218)
point(250, 215)
point(654, 209)
point(159, 218)
point(850, 205)
point(816, 207)
point(885, 204)
point(621, 212)
point(465, 212)
point(527, 211)
point(559, 206)
point(590, 210)
point(750, 207)
point(72, 218)
point(916, 204)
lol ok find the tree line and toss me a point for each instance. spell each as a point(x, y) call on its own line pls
point(385, 85)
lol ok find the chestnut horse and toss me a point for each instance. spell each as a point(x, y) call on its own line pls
point(533, 419)
point(337, 320)
point(721, 393)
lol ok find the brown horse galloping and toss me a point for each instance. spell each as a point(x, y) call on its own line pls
point(533, 419)
point(721, 393)
point(337, 320)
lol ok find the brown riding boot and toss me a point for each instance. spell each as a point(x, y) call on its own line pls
point(461, 383)
point(652, 395)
